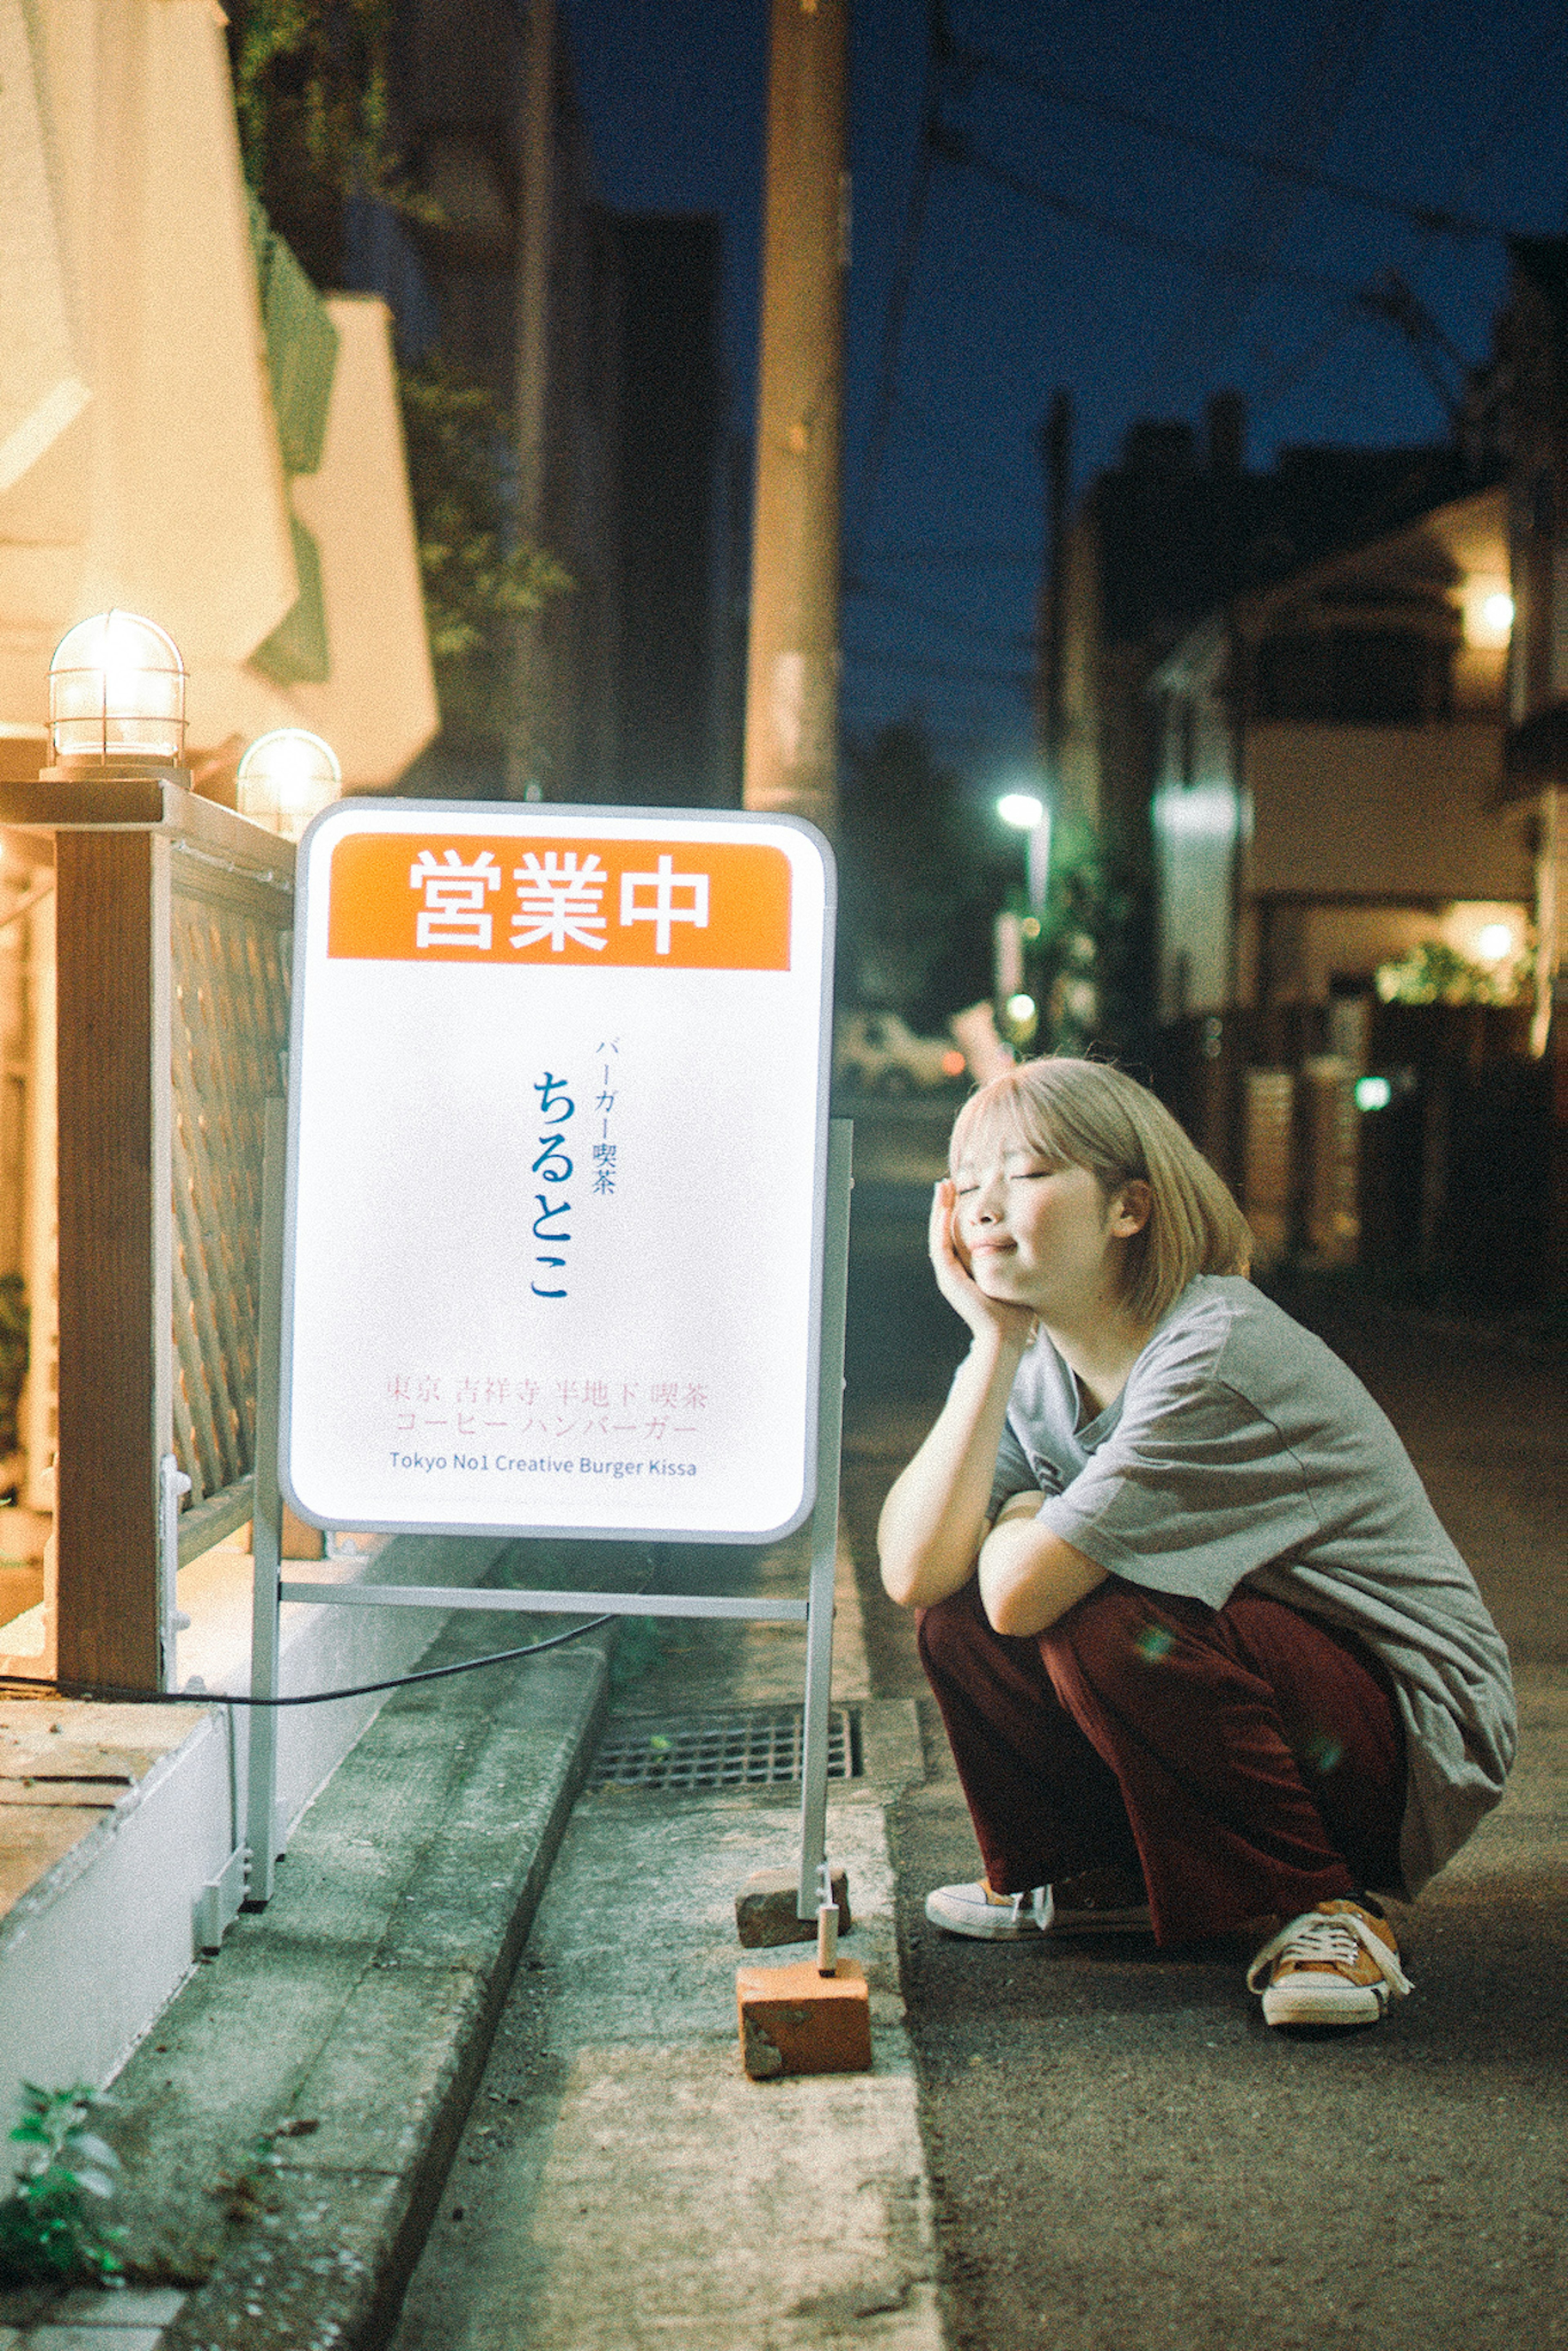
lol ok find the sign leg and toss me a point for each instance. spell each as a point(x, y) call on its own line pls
point(814, 1889)
point(267, 1533)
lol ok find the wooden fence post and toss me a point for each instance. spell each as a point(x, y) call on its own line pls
point(172, 974)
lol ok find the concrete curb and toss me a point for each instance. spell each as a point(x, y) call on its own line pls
point(288, 2124)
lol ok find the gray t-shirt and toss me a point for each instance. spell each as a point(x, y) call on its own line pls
point(1242, 1447)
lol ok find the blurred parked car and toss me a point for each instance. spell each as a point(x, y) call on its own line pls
point(877, 1052)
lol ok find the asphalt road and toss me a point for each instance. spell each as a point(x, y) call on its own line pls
point(1123, 2156)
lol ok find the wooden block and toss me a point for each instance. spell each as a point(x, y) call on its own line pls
point(795, 2020)
point(765, 1910)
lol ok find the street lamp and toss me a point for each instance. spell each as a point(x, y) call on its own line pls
point(117, 694)
point(1026, 813)
point(286, 777)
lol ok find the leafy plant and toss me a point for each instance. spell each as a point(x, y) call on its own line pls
point(478, 576)
point(921, 872)
point(312, 91)
point(13, 1330)
point(1436, 972)
point(52, 2226)
point(311, 94)
point(638, 1648)
point(1082, 969)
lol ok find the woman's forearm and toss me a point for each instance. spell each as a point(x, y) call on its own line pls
point(935, 1516)
point(1028, 1576)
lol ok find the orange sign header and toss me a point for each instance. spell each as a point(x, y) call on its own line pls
point(717, 906)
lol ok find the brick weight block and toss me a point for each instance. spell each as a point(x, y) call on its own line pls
point(794, 2020)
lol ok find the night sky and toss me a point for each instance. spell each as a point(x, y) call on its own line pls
point(1094, 274)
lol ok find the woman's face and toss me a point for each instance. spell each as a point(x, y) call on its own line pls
point(1041, 1232)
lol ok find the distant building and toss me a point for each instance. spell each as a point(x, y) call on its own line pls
point(678, 721)
point(1327, 770)
point(1530, 387)
point(1166, 537)
point(600, 332)
point(254, 505)
point(1298, 707)
point(190, 431)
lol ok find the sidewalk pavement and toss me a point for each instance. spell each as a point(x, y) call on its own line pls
point(287, 2127)
point(317, 2097)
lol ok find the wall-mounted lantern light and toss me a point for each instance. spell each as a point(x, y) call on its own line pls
point(117, 696)
point(1486, 606)
point(286, 777)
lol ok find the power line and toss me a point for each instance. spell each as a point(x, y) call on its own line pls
point(1437, 219)
point(1000, 640)
point(941, 436)
point(1262, 221)
point(968, 673)
point(955, 558)
point(1526, 80)
point(899, 288)
point(957, 147)
point(1386, 296)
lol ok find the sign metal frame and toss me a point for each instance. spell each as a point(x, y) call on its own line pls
point(820, 1503)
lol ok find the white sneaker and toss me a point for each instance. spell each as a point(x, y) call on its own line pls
point(1338, 1964)
point(1044, 1910)
point(990, 1918)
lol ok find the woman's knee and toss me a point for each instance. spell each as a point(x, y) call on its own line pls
point(950, 1630)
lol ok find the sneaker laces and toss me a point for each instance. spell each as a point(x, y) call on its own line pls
point(1329, 1938)
point(1039, 1903)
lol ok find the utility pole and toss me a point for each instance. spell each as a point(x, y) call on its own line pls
point(524, 762)
point(1056, 454)
point(793, 664)
point(1056, 451)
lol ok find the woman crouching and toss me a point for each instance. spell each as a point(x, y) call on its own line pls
point(1207, 1659)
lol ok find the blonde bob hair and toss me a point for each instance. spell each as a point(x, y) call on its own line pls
point(1088, 1114)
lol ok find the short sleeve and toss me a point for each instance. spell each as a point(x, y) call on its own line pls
point(1193, 1489)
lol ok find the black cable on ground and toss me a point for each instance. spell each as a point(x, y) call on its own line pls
point(109, 1692)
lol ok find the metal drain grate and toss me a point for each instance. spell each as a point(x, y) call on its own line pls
point(761, 1750)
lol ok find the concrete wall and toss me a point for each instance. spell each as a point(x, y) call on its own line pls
point(1396, 811)
point(1196, 832)
point(93, 1952)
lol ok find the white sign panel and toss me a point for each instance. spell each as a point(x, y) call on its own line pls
point(557, 1148)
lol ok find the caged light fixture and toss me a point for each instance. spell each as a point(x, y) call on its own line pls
point(286, 777)
point(117, 696)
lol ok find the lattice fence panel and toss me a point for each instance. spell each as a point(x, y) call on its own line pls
point(230, 1027)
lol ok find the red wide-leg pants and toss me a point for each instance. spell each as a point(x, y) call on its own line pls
point(1247, 1759)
